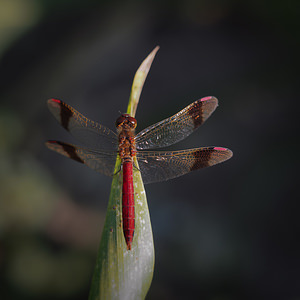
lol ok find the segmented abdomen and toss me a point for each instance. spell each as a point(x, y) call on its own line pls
point(128, 203)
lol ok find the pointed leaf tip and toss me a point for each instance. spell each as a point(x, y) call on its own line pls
point(138, 82)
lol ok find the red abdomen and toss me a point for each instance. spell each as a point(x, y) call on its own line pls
point(128, 203)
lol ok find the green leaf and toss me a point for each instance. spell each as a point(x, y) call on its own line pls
point(121, 273)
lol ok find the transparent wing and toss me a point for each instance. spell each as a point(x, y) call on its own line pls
point(90, 133)
point(102, 162)
point(160, 165)
point(177, 127)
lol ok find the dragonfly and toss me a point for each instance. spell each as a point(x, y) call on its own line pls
point(103, 146)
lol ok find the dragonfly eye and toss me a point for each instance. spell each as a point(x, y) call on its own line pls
point(132, 122)
point(120, 121)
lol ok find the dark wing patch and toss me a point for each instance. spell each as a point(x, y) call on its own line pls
point(100, 161)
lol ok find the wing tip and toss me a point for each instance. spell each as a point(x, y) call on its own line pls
point(51, 144)
point(228, 152)
point(209, 98)
point(221, 148)
point(52, 102)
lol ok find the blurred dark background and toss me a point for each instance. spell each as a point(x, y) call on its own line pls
point(227, 232)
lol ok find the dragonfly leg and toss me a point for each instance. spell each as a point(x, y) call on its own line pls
point(118, 170)
point(135, 167)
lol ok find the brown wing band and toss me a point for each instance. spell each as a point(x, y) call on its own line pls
point(70, 150)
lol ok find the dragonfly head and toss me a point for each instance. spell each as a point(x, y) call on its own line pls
point(125, 121)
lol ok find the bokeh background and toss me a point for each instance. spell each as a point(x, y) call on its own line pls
point(227, 232)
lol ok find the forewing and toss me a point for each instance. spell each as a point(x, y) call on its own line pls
point(160, 165)
point(102, 162)
point(90, 133)
point(177, 127)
